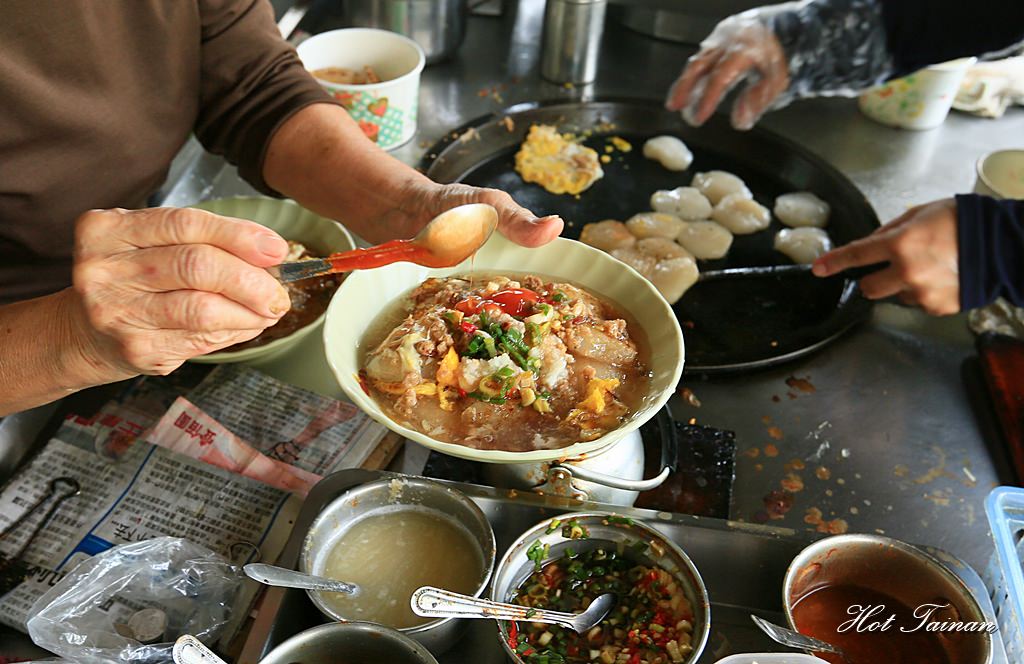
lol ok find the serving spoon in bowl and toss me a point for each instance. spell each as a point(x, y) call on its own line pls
point(431, 602)
point(788, 637)
point(448, 239)
point(282, 577)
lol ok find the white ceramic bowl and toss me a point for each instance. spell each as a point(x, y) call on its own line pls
point(1001, 174)
point(288, 219)
point(385, 111)
point(365, 293)
point(919, 101)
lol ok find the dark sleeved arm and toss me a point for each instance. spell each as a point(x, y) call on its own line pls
point(990, 237)
point(840, 47)
point(925, 33)
point(251, 82)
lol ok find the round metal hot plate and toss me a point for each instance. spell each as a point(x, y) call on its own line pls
point(729, 325)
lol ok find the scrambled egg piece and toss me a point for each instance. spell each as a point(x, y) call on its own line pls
point(448, 380)
point(446, 370)
point(595, 400)
point(557, 163)
point(621, 144)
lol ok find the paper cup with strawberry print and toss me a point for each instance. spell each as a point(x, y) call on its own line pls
point(386, 111)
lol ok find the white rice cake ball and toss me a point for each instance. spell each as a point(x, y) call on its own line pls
point(607, 235)
point(716, 185)
point(671, 276)
point(705, 239)
point(741, 215)
point(655, 224)
point(661, 248)
point(803, 245)
point(687, 203)
point(641, 261)
point(674, 276)
point(802, 208)
point(669, 151)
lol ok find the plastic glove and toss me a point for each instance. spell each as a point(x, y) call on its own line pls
point(741, 49)
point(784, 52)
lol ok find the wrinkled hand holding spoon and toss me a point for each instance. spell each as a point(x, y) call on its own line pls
point(448, 239)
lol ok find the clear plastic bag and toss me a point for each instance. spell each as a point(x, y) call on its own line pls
point(191, 584)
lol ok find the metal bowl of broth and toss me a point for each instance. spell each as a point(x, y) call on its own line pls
point(834, 587)
point(390, 537)
point(349, 643)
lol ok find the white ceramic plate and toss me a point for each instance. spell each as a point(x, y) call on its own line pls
point(365, 293)
point(321, 236)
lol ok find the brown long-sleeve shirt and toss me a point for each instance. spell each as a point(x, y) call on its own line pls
point(97, 96)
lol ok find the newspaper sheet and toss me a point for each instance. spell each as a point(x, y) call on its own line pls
point(193, 463)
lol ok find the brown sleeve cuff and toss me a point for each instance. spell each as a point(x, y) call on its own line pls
point(251, 82)
point(253, 153)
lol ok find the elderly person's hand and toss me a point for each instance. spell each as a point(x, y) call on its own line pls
point(159, 286)
point(921, 248)
point(424, 200)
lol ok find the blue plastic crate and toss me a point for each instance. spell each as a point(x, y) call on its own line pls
point(1004, 576)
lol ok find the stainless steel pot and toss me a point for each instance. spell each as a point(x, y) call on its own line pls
point(358, 643)
point(438, 26)
point(898, 570)
point(612, 475)
point(515, 567)
point(340, 514)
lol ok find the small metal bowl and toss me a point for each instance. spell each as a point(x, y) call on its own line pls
point(354, 642)
point(343, 511)
point(898, 570)
point(514, 567)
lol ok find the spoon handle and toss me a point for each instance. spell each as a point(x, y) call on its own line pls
point(788, 637)
point(272, 575)
point(431, 602)
point(356, 259)
point(190, 650)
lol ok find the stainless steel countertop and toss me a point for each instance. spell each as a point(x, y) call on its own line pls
point(890, 398)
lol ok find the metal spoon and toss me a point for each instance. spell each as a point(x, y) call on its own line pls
point(854, 273)
point(432, 602)
point(788, 637)
point(447, 240)
point(273, 575)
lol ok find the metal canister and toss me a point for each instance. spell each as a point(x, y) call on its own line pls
point(438, 26)
point(572, 36)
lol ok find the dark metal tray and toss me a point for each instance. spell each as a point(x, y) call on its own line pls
point(743, 566)
point(730, 325)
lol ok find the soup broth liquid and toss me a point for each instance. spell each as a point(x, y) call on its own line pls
point(822, 611)
point(390, 554)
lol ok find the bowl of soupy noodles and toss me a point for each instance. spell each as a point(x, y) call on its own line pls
point(662, 613)
point(516, 355)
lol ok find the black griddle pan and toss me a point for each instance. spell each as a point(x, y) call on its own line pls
point(729, 325)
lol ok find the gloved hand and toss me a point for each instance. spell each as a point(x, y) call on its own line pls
point(784, 52)
point(742, 49)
